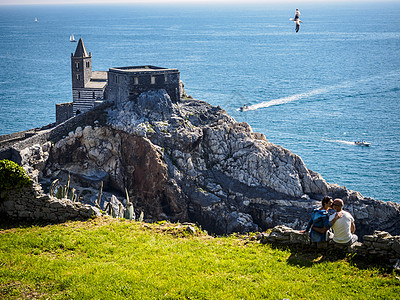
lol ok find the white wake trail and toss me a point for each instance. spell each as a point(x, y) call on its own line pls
point(296, 97)
point(339, 141)
point(288, 99)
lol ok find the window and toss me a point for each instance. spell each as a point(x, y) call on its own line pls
point(135, 80)
point(79, 95)
point(87, 64)
point(166, 78)
point(153, 80)
point(116, 78)
point(94, 95)
point(78, 77)
point(77, 65)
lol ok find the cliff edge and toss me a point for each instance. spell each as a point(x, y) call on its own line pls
point(191, 161)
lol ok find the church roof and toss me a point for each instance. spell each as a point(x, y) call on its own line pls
point(80, 50)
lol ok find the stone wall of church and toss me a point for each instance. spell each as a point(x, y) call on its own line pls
point(64, 111)
point(127, 86)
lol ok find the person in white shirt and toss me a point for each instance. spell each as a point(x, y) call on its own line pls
point(343, 227)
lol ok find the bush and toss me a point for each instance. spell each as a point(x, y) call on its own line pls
point(12, 176)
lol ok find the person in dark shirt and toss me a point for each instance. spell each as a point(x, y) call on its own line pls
point(319, 223)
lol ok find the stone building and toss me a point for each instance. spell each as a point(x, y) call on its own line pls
point(117, 85)
point(87, 85)
point(127, 83)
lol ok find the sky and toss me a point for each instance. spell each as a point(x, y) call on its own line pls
point(55, 2)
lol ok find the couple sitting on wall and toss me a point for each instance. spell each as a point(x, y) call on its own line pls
point(331, 215)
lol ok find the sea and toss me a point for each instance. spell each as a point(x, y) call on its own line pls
point(314, 92)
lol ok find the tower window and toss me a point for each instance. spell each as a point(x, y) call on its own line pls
point(94, 95)
point(87, 64)
point(166, 78)
point(77, 65)
point(135, 80)
point(153, 80)
point(78, 77)
point(116, 79)
point(79, 95)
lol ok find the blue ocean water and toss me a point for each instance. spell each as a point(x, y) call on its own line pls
point(314, 93)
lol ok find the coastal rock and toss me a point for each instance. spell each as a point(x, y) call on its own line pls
point(191, 161)
point(121, 161)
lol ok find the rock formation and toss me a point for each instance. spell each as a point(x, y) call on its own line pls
point(190, 161)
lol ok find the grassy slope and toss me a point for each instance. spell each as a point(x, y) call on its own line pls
point(118, 259)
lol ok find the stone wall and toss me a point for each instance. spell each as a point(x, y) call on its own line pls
point(32, 204)
point(8, 139)
point(15, 135)
point(127, 83)
point(380, 245)
point(64, 111)
point(52, 134)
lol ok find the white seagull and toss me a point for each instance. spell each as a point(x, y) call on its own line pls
point(297, 20)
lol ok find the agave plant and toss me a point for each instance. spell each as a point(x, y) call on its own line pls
point(53, 187)
point(110, 210)
point(141, 216)
point(129, 212)
point(97, 201)
point(63, 191)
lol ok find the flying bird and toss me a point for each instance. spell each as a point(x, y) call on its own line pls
point(297, 20)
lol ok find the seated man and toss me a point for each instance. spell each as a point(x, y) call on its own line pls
point(343, 227)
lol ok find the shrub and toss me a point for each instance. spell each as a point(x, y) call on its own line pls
point(12, 176)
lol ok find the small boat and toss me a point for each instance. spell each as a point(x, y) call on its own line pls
point(362, 143)
point(36, 20)
point(72, 38)
point(244, 107)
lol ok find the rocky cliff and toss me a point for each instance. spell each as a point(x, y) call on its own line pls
point(190, 161)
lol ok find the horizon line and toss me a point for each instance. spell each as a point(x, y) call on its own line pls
point(183, 2)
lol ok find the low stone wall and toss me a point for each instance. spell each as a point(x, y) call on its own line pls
point(32, 204)
point(15, 135)
point(380, 245)
point(53, 134)
point(9, 139)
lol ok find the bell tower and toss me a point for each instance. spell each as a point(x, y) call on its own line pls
point(81, 66)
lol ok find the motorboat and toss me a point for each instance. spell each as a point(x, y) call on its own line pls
point(362, 143)
point(244, 107)
point(36, 20)
point(72, 38)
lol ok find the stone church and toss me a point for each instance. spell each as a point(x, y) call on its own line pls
point(118, 84)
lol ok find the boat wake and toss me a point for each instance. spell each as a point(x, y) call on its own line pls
point(319, 91)
point(288, 99)
point(339, 141)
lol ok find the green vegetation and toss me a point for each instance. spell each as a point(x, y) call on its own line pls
point(108, 258)
point(63, 191)
point(12, 176)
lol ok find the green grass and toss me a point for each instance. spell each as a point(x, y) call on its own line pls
point(118, 259)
